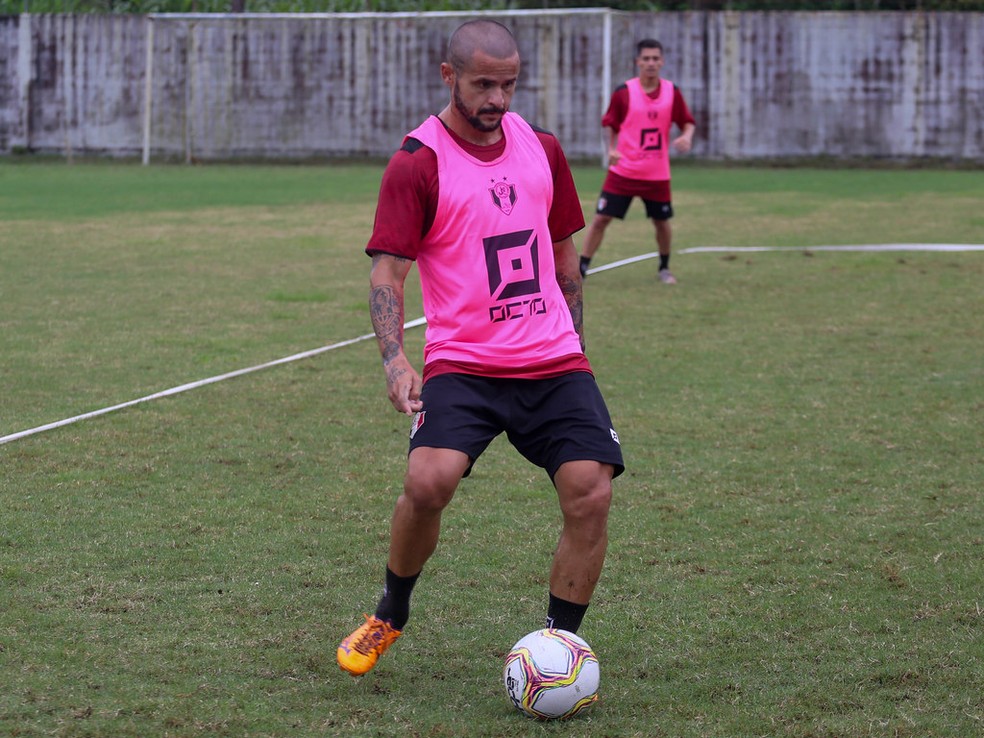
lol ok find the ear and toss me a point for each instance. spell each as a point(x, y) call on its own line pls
point(447, 74)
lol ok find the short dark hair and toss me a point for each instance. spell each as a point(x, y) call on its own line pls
point(484, 35)
point(648, 43)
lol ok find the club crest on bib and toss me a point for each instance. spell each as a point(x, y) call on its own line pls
point(503, 195)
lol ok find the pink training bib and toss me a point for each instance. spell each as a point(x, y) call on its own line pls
point(643, 137)
point(487, 269)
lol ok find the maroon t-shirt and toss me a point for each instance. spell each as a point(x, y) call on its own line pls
point(618, 106)
point(408, 194)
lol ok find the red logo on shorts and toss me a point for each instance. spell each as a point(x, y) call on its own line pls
point(418, 420)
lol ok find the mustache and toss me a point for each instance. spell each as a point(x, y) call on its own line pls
point(491, 109)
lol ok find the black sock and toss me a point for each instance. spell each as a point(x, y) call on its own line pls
point(585, 262)
point(394, 605)
point(564, 615)
point(664, 261)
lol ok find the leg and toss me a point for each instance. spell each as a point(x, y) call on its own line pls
point(431, 480)
point(585, 492)
point(664, 238)
point(592, 241)
point(609, 206)
point(595, 234)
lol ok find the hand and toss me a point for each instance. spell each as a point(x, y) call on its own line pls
point(614, 155)
point(683, 144)
point(403, 385)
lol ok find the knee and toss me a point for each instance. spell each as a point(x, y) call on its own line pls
point(600, 222)
point(427, 490)
point(585, 498)
point(592, 504)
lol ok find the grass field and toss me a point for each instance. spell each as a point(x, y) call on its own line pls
point(796, 544)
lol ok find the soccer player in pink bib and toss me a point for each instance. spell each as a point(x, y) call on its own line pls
point(485, 205)
point(638, 124)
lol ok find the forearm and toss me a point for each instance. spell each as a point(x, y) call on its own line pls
point(569, 280)
point(685, 141)
point(611, 135)
point(386, 312)
point(386, 307)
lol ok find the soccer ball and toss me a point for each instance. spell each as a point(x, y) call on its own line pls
point(551, 674)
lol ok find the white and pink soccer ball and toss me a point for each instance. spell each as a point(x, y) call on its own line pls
point(551, 674)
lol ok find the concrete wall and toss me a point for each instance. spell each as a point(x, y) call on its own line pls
point(897, 85)
point(839, 84)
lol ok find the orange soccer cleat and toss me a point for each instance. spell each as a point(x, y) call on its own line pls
point(358, 653)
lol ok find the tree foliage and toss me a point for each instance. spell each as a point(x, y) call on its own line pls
point(13, 7)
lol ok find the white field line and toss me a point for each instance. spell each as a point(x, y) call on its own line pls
point(749, 249)
point(195, 385)
point(421, 321)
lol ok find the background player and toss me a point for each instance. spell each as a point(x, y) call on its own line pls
point(638, 125)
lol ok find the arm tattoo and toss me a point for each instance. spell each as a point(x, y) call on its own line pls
point(393, 373)
point(386, 312)
point(575, 302)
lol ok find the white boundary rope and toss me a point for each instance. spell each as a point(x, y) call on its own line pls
point(750, 249)
point(421, 321)
point(200, 383)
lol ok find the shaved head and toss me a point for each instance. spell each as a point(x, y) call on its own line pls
point(484, 36)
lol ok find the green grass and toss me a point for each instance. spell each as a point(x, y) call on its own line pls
point(795, 545)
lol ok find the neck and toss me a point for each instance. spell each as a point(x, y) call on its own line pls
point(649, 83)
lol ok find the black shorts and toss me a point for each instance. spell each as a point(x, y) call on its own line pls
point(616, 206)
point(549, 421)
